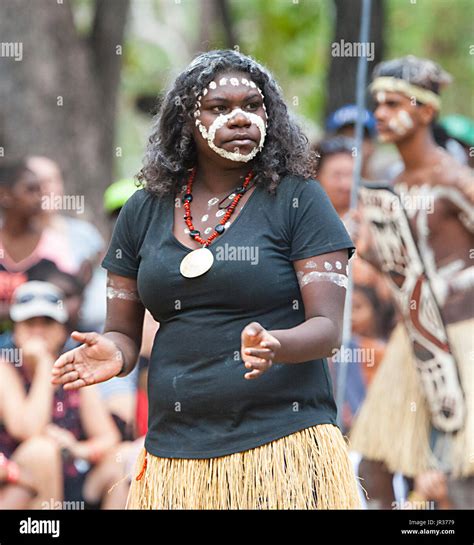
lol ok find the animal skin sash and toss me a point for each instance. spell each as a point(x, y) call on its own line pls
point(404, 268)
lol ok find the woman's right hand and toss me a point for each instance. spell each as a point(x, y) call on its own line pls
point(97, 360)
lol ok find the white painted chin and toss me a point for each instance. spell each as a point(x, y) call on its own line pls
point(385, 137)
point(234, 155)
point(210, 134)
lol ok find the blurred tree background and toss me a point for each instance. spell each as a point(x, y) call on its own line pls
point(291, 37)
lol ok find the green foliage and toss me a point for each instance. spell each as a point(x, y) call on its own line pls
point(440, 30)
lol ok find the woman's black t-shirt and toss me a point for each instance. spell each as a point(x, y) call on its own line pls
point(200, 405)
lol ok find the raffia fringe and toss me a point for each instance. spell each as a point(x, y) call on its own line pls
point(309, 469)
point(393, 425)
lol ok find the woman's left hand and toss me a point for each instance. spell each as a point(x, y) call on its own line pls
point(258, 349)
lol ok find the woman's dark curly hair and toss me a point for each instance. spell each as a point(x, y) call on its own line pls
point(171, 150)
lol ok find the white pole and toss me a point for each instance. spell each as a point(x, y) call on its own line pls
point(361, 84)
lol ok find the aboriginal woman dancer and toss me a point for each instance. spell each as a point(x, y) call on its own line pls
point(242, 259)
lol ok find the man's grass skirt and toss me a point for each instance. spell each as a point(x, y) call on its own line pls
point(393, 425)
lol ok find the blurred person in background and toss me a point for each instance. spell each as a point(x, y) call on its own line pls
point(83, 238)
point(371, 327)
point(391, 436)
point(342, 122)
point(335, 170)
point(73, 429)
point(28, 250)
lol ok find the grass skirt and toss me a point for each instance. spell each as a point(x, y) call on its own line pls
point(393, 425)
point(309, 469)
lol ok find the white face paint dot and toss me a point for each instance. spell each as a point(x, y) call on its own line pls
point(213, 201)
point(230, 197)
point(204, 93)
point(245, 81)
point(223, 81)
point(226, 225)
point(252, 84)
point(338, 265)
point(327, 266)
point(205, 217)
point(234, 81)
point(186, 231)
point(212, 85)
point(220, 213)
point(207, 230)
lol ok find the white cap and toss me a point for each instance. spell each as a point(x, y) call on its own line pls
point(34, 299)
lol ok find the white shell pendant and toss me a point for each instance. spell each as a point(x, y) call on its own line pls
point(196, 263)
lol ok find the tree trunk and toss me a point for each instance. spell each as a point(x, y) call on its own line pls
point(341, 83)
point(60, 99)
point(216, 29)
